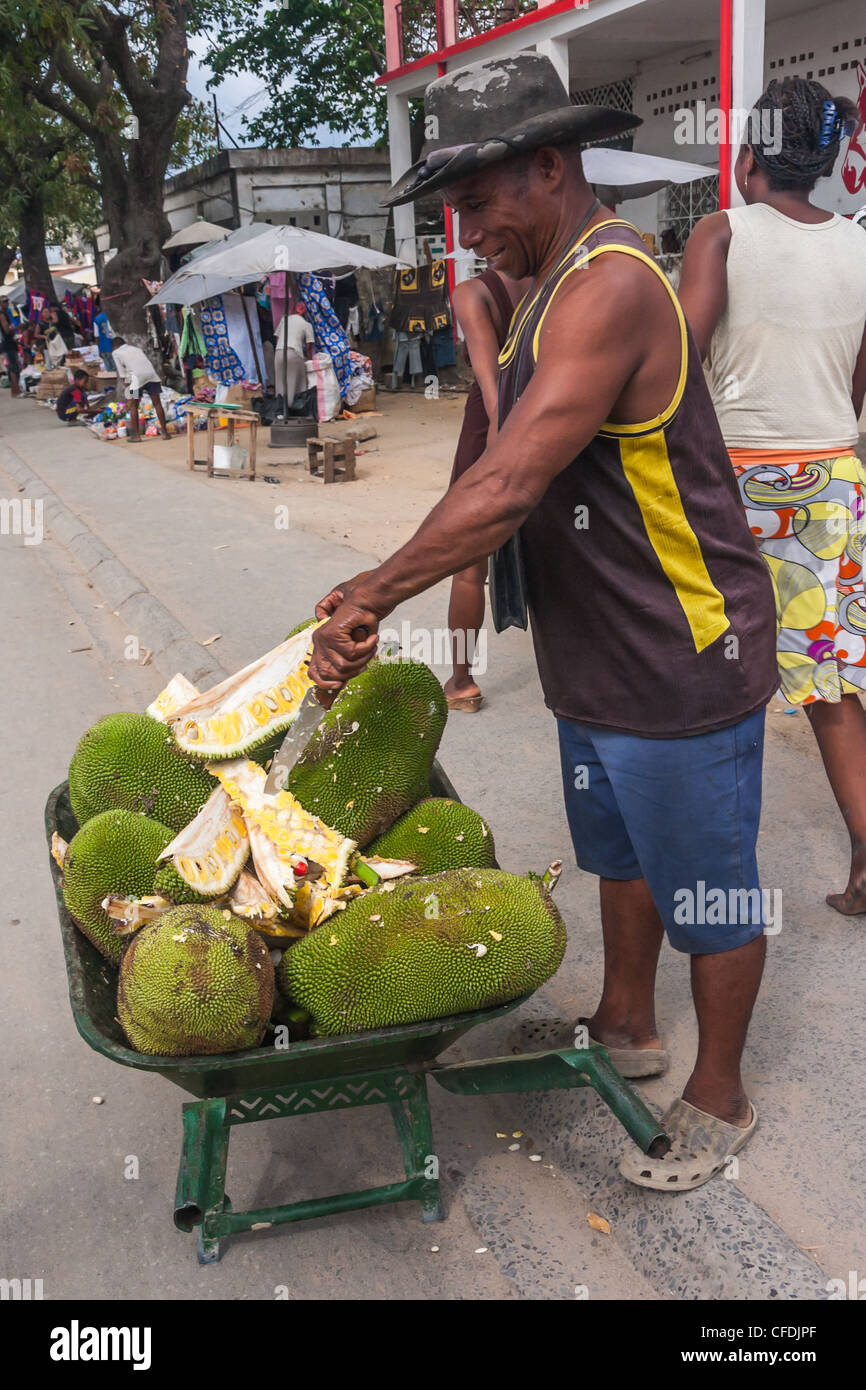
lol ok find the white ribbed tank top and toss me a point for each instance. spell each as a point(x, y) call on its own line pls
point(782, 357)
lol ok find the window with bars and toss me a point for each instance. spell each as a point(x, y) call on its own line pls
point(616, 94)
point(687, 203)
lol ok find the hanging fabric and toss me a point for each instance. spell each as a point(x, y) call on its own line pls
point(223, 363)
point(326, 326)
point(420, 299)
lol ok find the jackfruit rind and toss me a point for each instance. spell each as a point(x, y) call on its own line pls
point(131, 762)
point(198, 981)
point(114, 852)
point(301, 627)
point(177, 693)
point(371, 756)
point(438, 834)
point(424, 948)
point(246, 710)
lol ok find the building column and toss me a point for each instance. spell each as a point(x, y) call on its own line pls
point(748, 20)
point(400, 144)
point(557, 51)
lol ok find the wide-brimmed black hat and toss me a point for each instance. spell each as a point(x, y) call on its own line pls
point(490, 111)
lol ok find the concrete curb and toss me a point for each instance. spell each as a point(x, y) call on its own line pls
point(712, 1243)
point(174, 649)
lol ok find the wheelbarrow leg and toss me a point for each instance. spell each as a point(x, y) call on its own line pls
point(201, 1195)
point(415, 1133)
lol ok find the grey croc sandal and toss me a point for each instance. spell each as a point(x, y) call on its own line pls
point(700, 1146)
point(543, 1033)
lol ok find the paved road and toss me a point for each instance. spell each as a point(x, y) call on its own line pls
point(220, 565)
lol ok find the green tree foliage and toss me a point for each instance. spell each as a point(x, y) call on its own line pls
point(318, 60)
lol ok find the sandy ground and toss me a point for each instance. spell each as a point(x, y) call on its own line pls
point(400, 474)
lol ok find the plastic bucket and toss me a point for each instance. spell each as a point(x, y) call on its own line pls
point(230, 456)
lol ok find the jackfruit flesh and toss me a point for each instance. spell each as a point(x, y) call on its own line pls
point(295, 831)
point(247, 709)
point(131, 762)
point(198, 981)
point(208, 855)
point(371, 756)
point(177, 693)
point(438, 834)
point(424, 948)
point(115, 852)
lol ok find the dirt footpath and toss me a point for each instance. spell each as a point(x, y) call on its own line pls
point(400, 474)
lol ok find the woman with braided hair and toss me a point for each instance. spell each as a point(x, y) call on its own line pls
point(775, 294)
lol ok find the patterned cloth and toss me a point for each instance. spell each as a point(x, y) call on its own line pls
point(223, 363)
point(330, 336)
point(808, 514)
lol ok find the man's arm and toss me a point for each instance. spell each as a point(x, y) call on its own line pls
point(578, 379)
point(703, 287)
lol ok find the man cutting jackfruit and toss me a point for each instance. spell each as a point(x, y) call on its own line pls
point(652, 612)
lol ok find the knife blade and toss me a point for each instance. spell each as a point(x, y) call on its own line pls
point(309, 717)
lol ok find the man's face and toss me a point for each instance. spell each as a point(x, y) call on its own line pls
point(498, 217)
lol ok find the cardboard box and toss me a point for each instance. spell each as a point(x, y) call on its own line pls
point(366, 400)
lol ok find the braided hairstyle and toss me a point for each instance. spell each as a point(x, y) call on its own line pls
point(813, 126)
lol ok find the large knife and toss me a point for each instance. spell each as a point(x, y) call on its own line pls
point(310, 715)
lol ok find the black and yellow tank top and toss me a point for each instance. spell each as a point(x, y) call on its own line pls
point(652, 611)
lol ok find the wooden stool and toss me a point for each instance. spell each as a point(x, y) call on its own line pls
point(331, 453)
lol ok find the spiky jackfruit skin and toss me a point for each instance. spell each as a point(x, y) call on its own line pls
point(438, 834)
point(370, 758)
point(423, 948)
point(300, 627)
point(195, 982)
point(131, 762)
point(114, 852)
point(169, 884)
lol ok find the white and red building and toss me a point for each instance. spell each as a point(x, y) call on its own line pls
point(657, 58)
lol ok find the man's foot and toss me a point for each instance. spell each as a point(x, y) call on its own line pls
point(853, 901)
point(633, 1055)
point(701, 1145)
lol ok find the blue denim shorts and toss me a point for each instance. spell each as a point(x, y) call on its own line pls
point(683, 813)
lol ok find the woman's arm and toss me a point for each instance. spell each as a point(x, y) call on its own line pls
point(703, 287)
point(858, 385)
point(472, 308)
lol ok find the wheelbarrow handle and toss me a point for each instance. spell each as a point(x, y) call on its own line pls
point(557, 1071)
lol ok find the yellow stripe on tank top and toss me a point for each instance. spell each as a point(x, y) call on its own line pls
point(648, 469)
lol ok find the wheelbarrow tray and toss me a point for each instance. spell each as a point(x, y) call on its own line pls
point(381, 1066)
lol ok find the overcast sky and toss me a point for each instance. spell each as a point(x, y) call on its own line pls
point(244, 95)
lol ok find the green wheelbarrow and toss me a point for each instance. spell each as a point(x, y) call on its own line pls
point(389, 1066)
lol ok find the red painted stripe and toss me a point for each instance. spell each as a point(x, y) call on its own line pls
point(726, 55)
point(522, 22)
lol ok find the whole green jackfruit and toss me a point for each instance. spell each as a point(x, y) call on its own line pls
point(423, 948)
point(438, 834)
point(131, 762)
point(114, 852)
point(370, 758)
point(195, 981)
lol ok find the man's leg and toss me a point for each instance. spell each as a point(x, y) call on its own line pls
point(160, 414)
point(691, 807)
point(632, 932)
point(133, 419)
point(841, 733)
point(724, 988)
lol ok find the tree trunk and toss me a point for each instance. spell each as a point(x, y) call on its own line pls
point(7, 256)
point(31, 239)
point(143, 229)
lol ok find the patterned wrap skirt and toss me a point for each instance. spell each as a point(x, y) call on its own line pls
point(807, 511)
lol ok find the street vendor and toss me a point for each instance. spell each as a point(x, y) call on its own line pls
point(136, 369)
point(9, 346)
point(652, 612)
